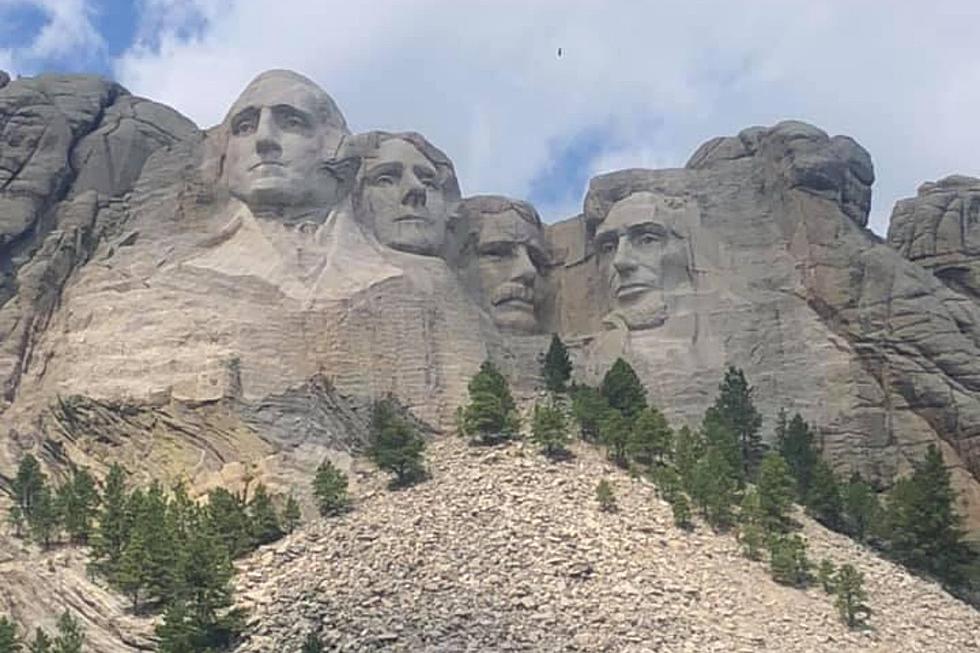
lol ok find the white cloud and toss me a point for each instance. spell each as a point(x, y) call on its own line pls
point(67, 31)
point(484, 83)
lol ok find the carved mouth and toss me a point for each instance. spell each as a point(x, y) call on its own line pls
point(633, 289)
point(267, 164)
point(418, 219)
point(514, 296)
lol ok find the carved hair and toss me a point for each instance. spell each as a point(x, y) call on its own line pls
point(494, 205)
point(324, 108)
point(362, 146)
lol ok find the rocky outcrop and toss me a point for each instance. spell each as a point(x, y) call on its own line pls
point(503, 550)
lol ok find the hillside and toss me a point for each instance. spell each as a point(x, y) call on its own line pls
point(503, 550)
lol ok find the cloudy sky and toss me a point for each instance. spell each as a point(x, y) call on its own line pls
point(639, 84)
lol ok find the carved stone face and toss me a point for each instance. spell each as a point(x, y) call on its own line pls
point(402, 198)
point(278, 138)
point(510, 254)
point(642, 250)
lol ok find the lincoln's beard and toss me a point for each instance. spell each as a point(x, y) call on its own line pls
point(647, 312)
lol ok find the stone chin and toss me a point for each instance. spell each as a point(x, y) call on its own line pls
point(645, 310)
point(516, 317)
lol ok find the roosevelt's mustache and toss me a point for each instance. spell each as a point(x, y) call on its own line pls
point(508, 291)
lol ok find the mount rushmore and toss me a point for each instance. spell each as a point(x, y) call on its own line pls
point(217, 303)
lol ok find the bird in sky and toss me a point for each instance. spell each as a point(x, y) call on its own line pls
point(559, 53)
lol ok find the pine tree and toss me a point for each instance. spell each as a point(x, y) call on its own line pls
point(788, 562)
point(851, 596)
point(44, 519)
point(860, 507)
point(9, 638)
point(826, 575)
point(614, 431)
point(798, 450)
point(40, 644)
point(28, 485)
point(71, 635)
point(736, 409)
point(776, 488)
point(689, 448)
point(680, 507)
point(396, 445)
point(263, 517)
point(150, 519)
point(622, 389)
point(924, 528)
point(549, 429)
point(330, 489)
point(605, 496)
point(132, 574)
point(491, 414)
point(176, 632)
point(557, 367)
point(312, 643)
point(589, 408)
point(651, 438)
point(78, 501)
point(823, 499)
point(751, 525)
point(229, 519)
point(718, 434)
point(113, 530)
point(291, 515)
point(713, 489)
point(16, 520)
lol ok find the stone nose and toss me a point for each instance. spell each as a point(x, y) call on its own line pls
point(415, 194)
point(267, 137)
point(625, 260)
point(523, 270)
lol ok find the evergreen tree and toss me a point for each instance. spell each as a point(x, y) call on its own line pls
point(824, 497)
point(860, 507)
point(689, 448)
point(28, 485)
point(330, 489)
point(851, 596)
point(776, 491)
point(78, 500)
point(396, 445)
point(132, 574)
point(40, 644)
point(557, 368)
point(751, 525)
point(176, 632)
point(718, 434)
point(549, 429)
point(924, 528)
point(312, 643)
point(605, 496)
point(291, 515)
point(622, 389)
point(589, 408)
point(229, 519)
point(113, 530)
point(614, 431)
point(736, 410)
point(16, 520)
point(264, 520)
point(149, 518)
point(712, 488)
point(798, 450)
point(491, 414)
point(44, 519)
point(9, 638)
point(826, 575)
point(680, 507)
point(788, 562)
point(651, 438)
point(71, 635)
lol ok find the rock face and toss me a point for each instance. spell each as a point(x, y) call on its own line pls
point(222, 304)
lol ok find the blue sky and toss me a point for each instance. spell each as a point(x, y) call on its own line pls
point(640, 84)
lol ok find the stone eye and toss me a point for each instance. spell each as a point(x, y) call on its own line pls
point(243, 126)
point(648, 239)
point(607, 246)
point(384, 180)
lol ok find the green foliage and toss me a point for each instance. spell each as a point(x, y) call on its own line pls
point(292, 515)
point(40, 644)
point(44, 518)
point(9, 639)
point(735, 409)
point(751, 525)
point(689, 448)
point(71, 635)
point(264, 519)
point(312, 643)
point(605, 496)
point(557, 367)
point(228, 517)
point(923, 526)
point(680, 507)
point(860, 507)
point(113, 528)
point(717, 434)
point(549, 429)
point(491, 414)
point(777, 489)
point(826, 576)
point(651, 438)
point(823, 498)
point(28, 485)
point(396, 445)
point(622, 389)
point(712, 488)
point(851, 596)
point(330, 489)
point(788, 562)
point(614, 431)
point(796, 445)
point(78, 502)
point(589, 408)
point(133, 573)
